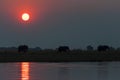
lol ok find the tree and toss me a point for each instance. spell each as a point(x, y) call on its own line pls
point(89, 48)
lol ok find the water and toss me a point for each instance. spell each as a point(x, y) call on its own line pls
point(60, 71)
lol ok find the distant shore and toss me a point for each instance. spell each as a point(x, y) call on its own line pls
point(53, 56)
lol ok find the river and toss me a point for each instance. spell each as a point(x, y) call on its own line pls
point(60, 71)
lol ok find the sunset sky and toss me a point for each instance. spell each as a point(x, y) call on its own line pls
point(76, 23)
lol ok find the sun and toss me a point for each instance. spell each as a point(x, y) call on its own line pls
point(25, 16)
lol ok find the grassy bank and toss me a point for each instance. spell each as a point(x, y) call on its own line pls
point(54, 56)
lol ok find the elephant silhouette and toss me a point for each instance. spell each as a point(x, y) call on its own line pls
point(23, 48)
point(63, 49)
point(103, 48)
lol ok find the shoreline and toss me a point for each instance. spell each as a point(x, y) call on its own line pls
point(85, 56)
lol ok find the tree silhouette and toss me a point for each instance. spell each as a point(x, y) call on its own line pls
point(89, 48)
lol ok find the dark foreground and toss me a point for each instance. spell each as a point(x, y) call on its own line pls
point(54, 56)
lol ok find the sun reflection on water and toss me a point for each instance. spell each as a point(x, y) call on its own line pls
point(25, 70)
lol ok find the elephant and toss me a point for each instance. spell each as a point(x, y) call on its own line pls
point(23, 48)
point(63, 49)
point(103, 48)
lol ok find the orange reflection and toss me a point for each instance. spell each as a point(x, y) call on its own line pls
point(25, 71)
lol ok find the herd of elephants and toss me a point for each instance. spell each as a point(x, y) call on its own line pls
point(24, 48)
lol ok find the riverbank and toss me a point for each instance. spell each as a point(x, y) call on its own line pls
point(54, 56)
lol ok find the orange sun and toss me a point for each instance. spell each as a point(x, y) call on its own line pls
point(25, 16)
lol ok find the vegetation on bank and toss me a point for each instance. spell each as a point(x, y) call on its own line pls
point(62, 54)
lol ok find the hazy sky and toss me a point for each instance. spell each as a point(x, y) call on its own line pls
point(76, 23)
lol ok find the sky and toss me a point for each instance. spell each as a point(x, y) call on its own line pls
point(53, 23)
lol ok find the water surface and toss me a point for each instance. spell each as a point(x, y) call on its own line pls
point(60, 71)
